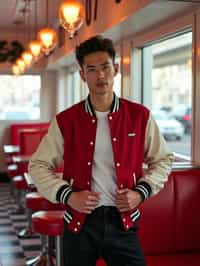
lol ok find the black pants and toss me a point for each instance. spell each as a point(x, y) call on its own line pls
point(103, 236)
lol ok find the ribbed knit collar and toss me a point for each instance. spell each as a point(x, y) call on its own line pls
point(114, 106)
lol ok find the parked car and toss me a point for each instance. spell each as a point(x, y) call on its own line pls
point(169, 127)
point(183, 114)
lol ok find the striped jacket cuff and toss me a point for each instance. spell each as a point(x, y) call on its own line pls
point(63, 194)
point(144, 189)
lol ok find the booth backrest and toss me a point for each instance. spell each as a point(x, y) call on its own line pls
point(29, 141)
point(170, 221)
point(16, 128)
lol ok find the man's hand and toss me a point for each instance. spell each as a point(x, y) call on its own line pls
point(127, 199)
point(83, 201)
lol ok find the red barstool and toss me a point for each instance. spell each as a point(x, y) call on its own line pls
point(35, 202)
point(49, 224)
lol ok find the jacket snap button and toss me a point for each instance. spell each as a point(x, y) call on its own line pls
point(117, 164)
point(89, 163)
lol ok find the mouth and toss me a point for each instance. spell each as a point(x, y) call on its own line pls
point(101, 84)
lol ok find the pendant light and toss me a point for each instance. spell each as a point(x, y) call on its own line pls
point(15, 70)
point(35, 49)
point(27, 58)
point(35, 45)
point(20, 63)
point(71, 16)
point(47, 36)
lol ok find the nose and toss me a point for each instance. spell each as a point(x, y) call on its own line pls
point(100, 73)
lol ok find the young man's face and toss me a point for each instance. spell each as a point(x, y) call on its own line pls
point(99, 71)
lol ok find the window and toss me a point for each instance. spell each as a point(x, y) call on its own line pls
point(20, 97)
point(117, 79)
point(167, 89)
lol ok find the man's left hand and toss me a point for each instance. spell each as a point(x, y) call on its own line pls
point(127, 199)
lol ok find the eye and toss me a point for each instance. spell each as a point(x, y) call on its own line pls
point(107, 66)
point(90, 70)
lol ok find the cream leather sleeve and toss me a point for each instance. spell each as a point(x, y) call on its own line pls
point(44, 162)
point(158, 158)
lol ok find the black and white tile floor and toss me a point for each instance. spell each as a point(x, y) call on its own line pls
point(13, 250)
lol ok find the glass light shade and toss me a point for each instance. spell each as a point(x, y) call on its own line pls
point(20, 63)
point(48, 39)
point(27, 58)
point(35, 48)
point(16, 70)
point(71, 16)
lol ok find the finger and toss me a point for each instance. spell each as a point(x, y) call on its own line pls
point(120, 197)
point(121, 205)
point(95, 194)
point(88, 209)
point(121, 202)
point(91, 204)
point(122, 191)
point(123, 209)
point(93, 198)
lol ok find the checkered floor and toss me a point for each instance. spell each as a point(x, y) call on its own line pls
point(13, 250)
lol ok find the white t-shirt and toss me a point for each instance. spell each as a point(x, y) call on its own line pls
point(103, 169)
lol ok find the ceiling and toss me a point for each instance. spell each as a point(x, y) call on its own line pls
point(12, 15)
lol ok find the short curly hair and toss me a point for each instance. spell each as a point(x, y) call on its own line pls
point(94, 44)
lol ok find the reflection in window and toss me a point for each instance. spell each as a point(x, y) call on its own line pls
point(168, 67)
point(20, 97)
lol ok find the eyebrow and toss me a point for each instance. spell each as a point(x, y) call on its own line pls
point(93, 66)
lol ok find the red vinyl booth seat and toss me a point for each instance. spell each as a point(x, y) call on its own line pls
point(169, 227)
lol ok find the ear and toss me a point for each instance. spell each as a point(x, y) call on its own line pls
point(81, 72)
point(116, 68)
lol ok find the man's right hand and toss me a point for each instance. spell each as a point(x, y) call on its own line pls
point(84, 201)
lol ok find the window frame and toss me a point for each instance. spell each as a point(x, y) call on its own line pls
point(166, 30)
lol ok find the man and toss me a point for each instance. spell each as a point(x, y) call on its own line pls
point(104, 141)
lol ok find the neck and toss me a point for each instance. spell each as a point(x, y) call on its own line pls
point(102, 103)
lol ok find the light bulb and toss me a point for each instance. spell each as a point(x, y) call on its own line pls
point(48, 39)
point(35, 48)
point(71, 16)
point(27, 57)
point(20, 63)
point(15, 69)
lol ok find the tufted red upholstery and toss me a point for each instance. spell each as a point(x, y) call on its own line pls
point(48, 222)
